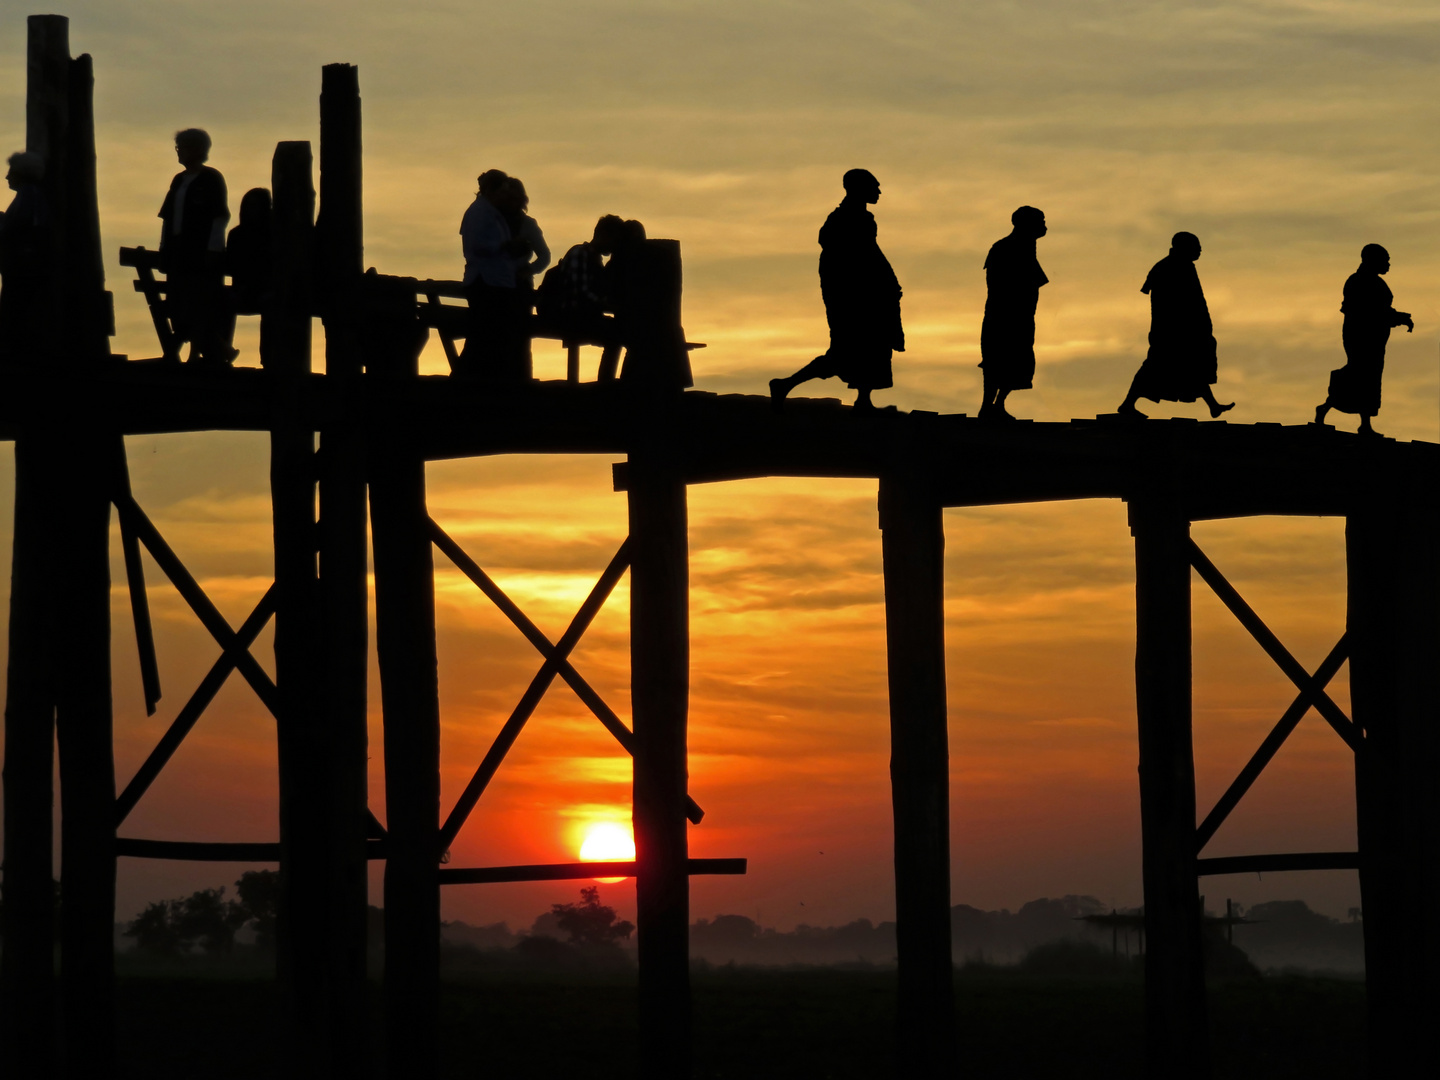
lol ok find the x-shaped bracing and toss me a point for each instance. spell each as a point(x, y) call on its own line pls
point(1311, 693)
point(557, 662)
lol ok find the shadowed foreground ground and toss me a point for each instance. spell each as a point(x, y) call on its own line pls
point(762, 1023)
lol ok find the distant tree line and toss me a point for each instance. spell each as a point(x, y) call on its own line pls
point(207, 921)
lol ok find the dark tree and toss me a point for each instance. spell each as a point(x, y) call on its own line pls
point(591, 922)
point(155, 930)
point(259, 892)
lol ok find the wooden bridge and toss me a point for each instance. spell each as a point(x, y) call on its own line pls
point(378, 422)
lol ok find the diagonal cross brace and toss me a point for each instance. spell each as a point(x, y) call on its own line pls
point(583, 690)
point(1281, 731)
point(1277, 652)
point(139, 598)
point(190, 590)
point(536, 690)
point(187, 717)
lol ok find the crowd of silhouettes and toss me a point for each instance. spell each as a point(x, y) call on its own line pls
point(593, 294)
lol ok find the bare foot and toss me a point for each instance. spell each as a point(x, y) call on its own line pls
point(778, 389)
point(1216, 408)
point(1129, 412)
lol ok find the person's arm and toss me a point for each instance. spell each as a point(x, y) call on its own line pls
point(538, 245)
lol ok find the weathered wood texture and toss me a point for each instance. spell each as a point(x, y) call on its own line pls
point(1393, 554)
point(913, 547)
point(1176, 1036)
point(344, 598)
point(660, 686)
point(410, 700)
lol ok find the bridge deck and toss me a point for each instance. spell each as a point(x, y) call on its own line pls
point(1214, 469)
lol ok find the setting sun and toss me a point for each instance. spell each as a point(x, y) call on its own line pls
point(608, 841)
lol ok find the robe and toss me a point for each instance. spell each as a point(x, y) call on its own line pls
point(862, 300)
point(1013, 279)
point(1181, 362)
point(1369, 317)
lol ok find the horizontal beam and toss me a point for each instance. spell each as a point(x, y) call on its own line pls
point(489, 875)
point(1274, 864)
point(215, 851)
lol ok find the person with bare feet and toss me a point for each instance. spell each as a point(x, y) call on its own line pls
point(862, 299)
point(1013, 279)
point(1369, 318)
point(1181, 364)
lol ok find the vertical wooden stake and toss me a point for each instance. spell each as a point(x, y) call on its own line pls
point(913, 543)
point(660, 689)
point(344, 590)
point(285, 352)
point(1394, 634)
point(1176, 1034)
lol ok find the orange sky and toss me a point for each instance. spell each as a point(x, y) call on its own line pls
point(1286, 134)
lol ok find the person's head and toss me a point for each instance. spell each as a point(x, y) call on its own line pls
point(492, 182)
point(609, 232)
point(861, 184)
point(632, 232)
point(192, 147)
point(26, 167)
point(515, 194)
point(1374, 258)
point(255, 207)
point(1029, 221)
point(1186, 245)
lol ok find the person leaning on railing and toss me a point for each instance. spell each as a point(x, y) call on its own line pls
point(24, 234)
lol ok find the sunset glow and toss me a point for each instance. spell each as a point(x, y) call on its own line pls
point(1269, 128)
point(608, 841)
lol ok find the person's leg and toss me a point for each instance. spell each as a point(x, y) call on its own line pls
point(862, 399)
point(1320, 411)
point(1215, 407)
point(1365, 428)
point(780, 388)
point(1127, 407)
point(1001, 411)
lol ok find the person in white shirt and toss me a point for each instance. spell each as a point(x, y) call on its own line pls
point(192, 251)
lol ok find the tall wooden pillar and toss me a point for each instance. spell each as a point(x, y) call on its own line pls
point(344, 601)
point(913, 545)
point(410, 698)
point(286, 342)
point(1393, 547)
point(660, 691)
point(1176, 1038)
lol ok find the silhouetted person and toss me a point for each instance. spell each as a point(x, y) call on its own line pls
point(1181, 363)
point(192, 251)
point(24, 262)
point(621, 274)
point(535, 256)
point(497, 342)
point(1369, 318)
point(579, 292)
point(1007, 336)
point(247, 258)
point(862, 299)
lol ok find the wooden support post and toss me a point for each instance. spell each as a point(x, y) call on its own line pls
point(660, 689)
point(1176, 1038)
point(344, 600)
point(913, 542)
point(27, 963)
point(1394, 634)
point(286, 341)
point(410, 699)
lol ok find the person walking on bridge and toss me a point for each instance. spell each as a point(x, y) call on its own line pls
point(1181, 364)
point(1369, 318)
point(1013, 279)
point(862, 299)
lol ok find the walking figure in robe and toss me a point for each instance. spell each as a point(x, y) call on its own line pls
point(1181, 363)
point(862, 299)
point(1013, 279)
point(1369, 318)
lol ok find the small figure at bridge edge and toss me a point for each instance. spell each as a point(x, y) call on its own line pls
point(1181, 364)
point(1369, 318)
point(862, 299)
point(192, 251)
point(1013, 279)
point(24, 273)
